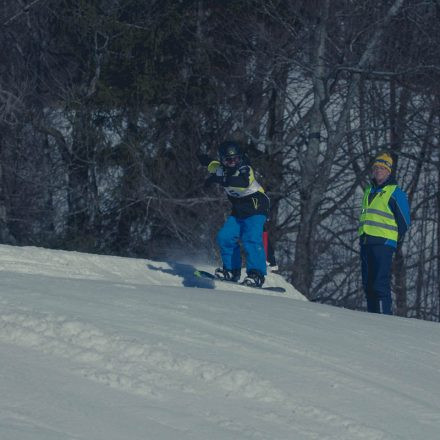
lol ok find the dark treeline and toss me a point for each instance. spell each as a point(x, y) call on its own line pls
point(105, 103)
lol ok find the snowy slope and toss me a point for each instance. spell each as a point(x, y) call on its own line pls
point(97, 347)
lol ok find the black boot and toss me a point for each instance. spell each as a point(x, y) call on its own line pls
point(254, 278)
point(228, 275)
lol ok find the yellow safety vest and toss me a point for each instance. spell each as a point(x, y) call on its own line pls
point(377, 219)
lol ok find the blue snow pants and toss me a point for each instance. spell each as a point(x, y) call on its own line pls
point(376, 262)
point(248, 231)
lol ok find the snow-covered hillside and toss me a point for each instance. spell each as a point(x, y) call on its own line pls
point(97, 347)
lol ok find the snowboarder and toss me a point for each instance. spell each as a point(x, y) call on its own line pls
point(250, 208)
point(383, 222)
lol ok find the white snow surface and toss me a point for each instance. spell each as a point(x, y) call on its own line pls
point(98, 347)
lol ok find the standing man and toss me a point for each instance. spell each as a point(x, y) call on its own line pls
point(383, 222)
point(250, 208)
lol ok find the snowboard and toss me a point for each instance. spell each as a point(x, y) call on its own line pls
point(210, 276)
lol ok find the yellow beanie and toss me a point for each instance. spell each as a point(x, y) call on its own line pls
point(384, 160)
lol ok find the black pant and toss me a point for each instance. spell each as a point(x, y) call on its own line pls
point(376, 262)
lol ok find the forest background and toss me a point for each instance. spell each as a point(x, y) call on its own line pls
point(105, 104)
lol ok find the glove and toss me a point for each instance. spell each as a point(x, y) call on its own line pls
point(215, 168)
point(204, 159)
point(212, 179)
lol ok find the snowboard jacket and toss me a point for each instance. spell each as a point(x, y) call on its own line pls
point(397, 207)
point(246, 195)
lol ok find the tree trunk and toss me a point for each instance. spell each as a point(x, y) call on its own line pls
point(5, 235)
point(81, 200)
point(438, 239)
point(302, 271)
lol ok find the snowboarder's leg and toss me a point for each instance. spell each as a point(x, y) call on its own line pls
point(252, 239)
point(227, 239)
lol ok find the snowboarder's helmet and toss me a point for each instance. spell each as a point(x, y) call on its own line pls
point(230, 153)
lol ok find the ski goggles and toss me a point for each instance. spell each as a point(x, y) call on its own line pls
point(232, 160)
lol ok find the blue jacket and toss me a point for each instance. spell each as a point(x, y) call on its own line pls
point(399, 207)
